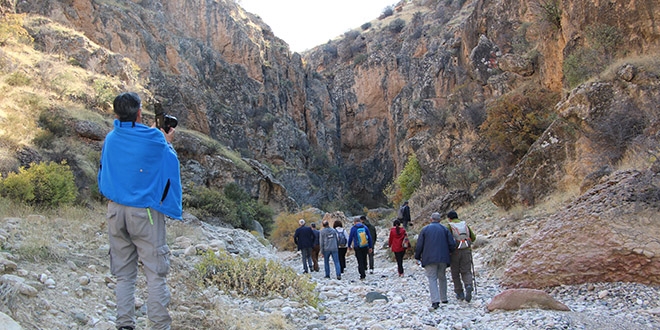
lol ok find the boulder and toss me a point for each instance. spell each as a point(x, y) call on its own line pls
point(609, 234)
point(514, 299)
point(8, 323)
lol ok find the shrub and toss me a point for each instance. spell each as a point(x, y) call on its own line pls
point(43, 184)
point(255, 277)
point(53, 122)
point(365, 26)
point(248, 209)
point(11, 28)
point(396, 25)
point(550, 12)
point(285, 227)
point(18, 79)
point(406, 183)
point(516, 120)
point(205, 202)
point(387, 12)
point(580, 66)
point(359, 59)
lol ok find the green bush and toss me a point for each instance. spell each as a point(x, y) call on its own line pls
point(256, 278)
point(233, 206)
point(406, 183)
point(43, 184)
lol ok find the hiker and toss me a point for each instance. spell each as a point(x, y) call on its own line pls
point(434, 244)
point(316, 248)
point(404, 215)
point(372, 232)
point(304, 239)
point(139, 174)
point(360, 241)
point(342, 245)
point(397, 235)
point(329, 239)
point(461, 258)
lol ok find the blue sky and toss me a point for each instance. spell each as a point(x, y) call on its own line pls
point(304, 24)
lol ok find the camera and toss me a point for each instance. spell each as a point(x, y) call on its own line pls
point(163, 120)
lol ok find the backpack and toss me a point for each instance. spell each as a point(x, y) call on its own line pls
point(342, 239)
point(461, 234)
point(400, 214)
point(362, 238)
point(405, 243)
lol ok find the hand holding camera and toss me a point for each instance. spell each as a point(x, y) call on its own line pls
point(164, 121)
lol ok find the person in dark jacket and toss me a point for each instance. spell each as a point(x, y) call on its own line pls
point(372, 232)
point(304, 239)
point(434, 244)
point(405, 211)
point(360, 252)
point(397, 234)
point(316, 248)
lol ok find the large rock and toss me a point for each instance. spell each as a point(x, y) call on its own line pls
point(609, 234)
point(515, 299)
point(8, 323)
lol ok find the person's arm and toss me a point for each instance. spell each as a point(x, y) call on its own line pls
point(473, 236)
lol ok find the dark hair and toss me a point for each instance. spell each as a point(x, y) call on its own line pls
point(325, 224)
point(337, 223)
point(452, 215)
point(397, 224)
point(126, 106)
point(362, 217)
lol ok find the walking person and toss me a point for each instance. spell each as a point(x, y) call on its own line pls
point(316, 248)
point(434, 244)
point(461, 258)
point(329, 239)
point(404, 215)
point(360, 241)
point(304, 239)
point(139, 174)
point(397, 235)
point(372, 232)
point(342, 246)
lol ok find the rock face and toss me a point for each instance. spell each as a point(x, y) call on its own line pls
point(609, 234)
point(594, 132)
point(343, 118)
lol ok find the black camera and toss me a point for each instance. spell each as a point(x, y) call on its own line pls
point(162, 120)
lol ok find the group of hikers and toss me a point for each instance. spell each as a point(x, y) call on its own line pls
point(438, 247)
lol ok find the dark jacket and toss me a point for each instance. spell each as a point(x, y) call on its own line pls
point(434, 244)
point(316, 237)
point(353, 236)
point(372, 230)
point(304, 237)
point(406, 214)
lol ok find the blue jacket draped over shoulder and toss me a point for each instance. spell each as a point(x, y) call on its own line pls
point(155, 183)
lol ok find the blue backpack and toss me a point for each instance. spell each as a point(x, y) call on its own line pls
point(362, 238)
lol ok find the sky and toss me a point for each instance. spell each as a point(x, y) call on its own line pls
point(304, 24)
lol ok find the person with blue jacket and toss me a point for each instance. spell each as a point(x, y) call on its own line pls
point(434, 244)
point(139, 174)
point(359, 239)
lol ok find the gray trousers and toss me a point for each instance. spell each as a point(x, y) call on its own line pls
point(436, 276)
point(306, 254)
point(461, 267)
point(134, 237)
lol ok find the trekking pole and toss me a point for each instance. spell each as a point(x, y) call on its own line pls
point(474, 276)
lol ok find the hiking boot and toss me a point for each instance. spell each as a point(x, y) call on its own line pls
point(468, 293)
point(435, 305)
point(125, 328)
point(460, 296)
point(338, 277)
